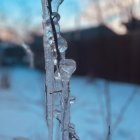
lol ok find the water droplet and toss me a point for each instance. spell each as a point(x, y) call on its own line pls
point(55, 17)
point(62, 44)
point(67, 67)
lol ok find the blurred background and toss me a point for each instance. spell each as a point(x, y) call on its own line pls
point(103, 38)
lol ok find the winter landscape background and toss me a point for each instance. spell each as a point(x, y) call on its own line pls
point(103, 38)
point(22, 107)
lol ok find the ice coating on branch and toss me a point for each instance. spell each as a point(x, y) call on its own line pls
point(67, 68)
point(56, 4)
point(57, 82)
point(55, 61)
point(48, 22)
point(58, 73)
point(49, 35)
point(56, 17)
point(57, 28)
point(62, 44)
point(57, 114)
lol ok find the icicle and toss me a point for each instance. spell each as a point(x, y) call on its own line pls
point(49, 66)
point(58, 73)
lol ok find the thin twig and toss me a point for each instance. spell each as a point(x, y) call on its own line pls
point(108, 109)
point(124, 108)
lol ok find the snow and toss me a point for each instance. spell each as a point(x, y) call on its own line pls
point(21, 107)
point(22, 112)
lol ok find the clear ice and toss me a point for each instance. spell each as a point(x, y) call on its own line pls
point(58, 73)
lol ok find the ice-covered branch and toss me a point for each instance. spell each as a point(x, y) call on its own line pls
point(58, 73)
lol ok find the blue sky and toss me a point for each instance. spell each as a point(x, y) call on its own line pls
point(20, 11)
point(26, 14)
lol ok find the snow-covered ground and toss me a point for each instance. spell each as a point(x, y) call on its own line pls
point(22, 107)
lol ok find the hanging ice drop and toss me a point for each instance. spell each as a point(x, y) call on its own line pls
point(67, 68)
point(56, 17)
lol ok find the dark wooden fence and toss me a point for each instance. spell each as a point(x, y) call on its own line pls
point(100, 53)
